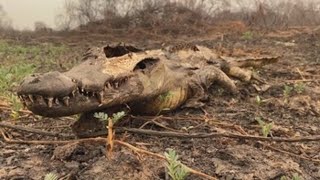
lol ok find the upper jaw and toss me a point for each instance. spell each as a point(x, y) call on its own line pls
point(71, 96)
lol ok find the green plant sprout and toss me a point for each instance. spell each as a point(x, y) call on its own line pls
point(248, 35)
point(175, 169)
point(265, 127)
point(258, 100)
point(104, 116)
point(287, 91)
point(299, 87)
point(51, 176)
point(295, 176)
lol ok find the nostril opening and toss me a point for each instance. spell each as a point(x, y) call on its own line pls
point(35, 80)
point(119, 50)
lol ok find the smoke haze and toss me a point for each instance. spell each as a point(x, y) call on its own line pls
point(24, 13)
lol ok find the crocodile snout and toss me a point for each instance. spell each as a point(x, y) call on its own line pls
point(52, 84)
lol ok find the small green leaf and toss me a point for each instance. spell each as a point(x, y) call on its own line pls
point(117, 116)
point(51, 176)
point(176, 170)
point(101, 116)
point(258, 100)
point(265, 127)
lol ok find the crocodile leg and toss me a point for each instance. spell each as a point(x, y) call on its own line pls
point(203, 80)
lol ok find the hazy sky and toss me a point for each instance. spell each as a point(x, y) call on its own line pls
point(24, 13)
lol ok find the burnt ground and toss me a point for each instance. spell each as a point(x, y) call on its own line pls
point(290, 99)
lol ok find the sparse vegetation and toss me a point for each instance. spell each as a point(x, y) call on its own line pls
point(294, 177)
point(248, 35)
point(104, 116)
point(51, 176)
point(265, 127)
point(109, 121)
point(18, 61)
point(174, 16)
point(258, 100)
point(299, 87)
point(287, 92)
point(175, 169)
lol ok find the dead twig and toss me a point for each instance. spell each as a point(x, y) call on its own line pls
point(300, 73)
point(8, 108)
point(35, 131)
point(173, 134)
point(242, 131)
point(148, 121)
point(102, 140)
point(158, 124)
point(169, 118)
point(301, 80)
point(11, 141)
point(217, 135)
point(292, 154)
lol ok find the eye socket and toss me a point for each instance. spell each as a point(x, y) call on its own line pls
point(146, 64)
point(141, 65)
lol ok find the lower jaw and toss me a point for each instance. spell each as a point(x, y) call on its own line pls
point(61, 110)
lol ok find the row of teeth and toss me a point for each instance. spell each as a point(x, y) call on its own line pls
point(30, 99)
point(27, 99)
point(109, 85)
point(116, 83)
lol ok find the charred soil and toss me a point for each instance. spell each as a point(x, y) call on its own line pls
point(287, 94)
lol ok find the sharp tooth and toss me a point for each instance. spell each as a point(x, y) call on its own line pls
point(56, 100)
point(116, 85)
point(81, 90)
point(66, 101)
point(31, 98)
point(50, 100)
point(74, 93)
point(100, 96)
point(108, 85)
